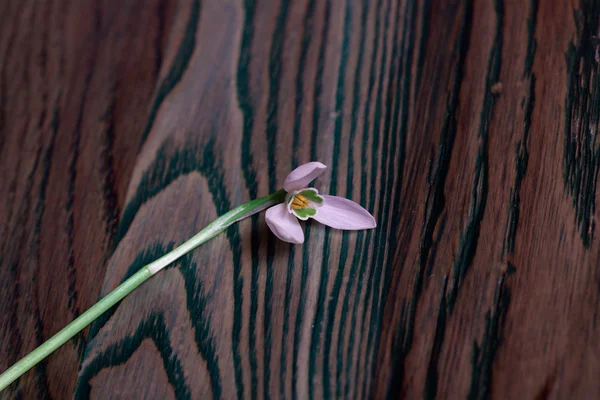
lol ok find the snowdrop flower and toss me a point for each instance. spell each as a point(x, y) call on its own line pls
point(303, 203)
point(299, 202)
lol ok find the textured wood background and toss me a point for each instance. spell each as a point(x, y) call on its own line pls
point(469, 129)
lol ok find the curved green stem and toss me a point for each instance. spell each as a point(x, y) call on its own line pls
point(209, 232)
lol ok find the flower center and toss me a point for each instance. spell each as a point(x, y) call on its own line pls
point(299, 202)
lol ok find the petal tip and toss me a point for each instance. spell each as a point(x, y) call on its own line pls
point(374, 224)
point(371, 224)
point(301, 241)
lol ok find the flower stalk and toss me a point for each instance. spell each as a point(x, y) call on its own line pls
point(112, 298)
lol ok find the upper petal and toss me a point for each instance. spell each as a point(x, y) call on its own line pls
point(303, 175)
point(284, 225)
point(340, 213)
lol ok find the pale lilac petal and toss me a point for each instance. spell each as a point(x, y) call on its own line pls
point(340, 213)
point(303, 175)
point(284, 225)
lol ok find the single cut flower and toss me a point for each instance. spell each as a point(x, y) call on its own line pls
point(284, 208)
point(303, 203)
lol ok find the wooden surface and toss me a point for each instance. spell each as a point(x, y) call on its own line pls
point(469, 129)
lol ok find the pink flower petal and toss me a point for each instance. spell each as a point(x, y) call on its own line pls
point(284, 225)
point(340, 213)
point(303, 175)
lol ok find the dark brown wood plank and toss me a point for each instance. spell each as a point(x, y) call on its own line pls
point(467, 128)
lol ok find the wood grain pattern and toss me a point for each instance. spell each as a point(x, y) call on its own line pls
point(467, 128)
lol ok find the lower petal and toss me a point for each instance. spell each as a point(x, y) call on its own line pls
point(284, 225)
point(341, 213)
